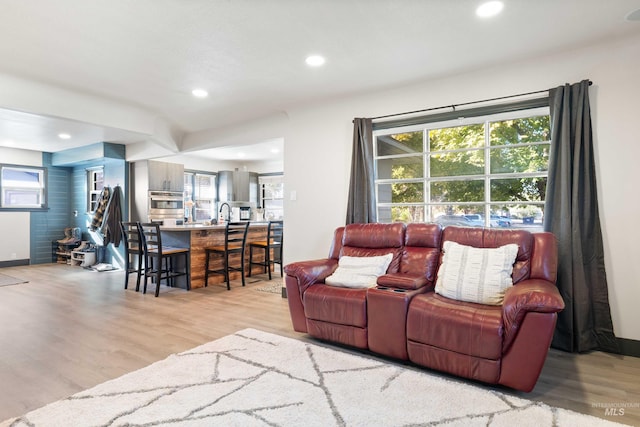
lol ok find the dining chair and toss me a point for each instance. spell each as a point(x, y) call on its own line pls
point(132, 252)
point(235, 239)
point(161, 261)
point(273, 243)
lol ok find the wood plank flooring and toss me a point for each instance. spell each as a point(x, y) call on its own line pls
point(69, 329)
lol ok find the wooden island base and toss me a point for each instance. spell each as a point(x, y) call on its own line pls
point(197, 238)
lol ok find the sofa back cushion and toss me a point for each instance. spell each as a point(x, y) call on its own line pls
point(336, 244)
point(374, 239)
point(495, 238)
point(523, 238)
point(422, 250)
point(544, 261)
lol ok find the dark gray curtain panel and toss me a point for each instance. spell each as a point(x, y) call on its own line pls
point(571, 213)
point(361, 206)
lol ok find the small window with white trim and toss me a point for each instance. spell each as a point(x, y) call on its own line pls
point(95, 184)
point(22, 187)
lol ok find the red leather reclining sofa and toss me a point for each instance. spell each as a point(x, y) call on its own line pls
point(403, 318)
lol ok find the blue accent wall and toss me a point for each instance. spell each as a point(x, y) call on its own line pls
point(114, 174)
point(67, 192)
point(47, 226)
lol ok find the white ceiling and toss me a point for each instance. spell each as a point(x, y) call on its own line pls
point(249, 54)
point(266, 150)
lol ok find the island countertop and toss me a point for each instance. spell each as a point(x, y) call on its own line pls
point(200, 226)
point(197, 237)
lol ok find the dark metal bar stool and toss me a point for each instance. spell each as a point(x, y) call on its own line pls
point(155, 254)
point(235, 239)
point(273, 243)
point(132, 252)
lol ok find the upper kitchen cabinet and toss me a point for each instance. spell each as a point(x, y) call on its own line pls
point(150, 175)
point(237, 186)
point(165, 176)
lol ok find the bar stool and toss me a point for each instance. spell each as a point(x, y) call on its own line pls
point(132, 249)
point(235, 239)
point(273, 242)
point(155, 254)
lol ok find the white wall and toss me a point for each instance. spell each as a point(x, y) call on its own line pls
point(15, 231)
point(317, 153)
point(15, 226)
point(16, 156)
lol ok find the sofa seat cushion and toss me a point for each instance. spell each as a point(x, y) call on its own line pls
point(461, 327)
point(343, 306)
point(454, 363)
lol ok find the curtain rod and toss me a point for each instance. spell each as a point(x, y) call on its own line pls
point(453, 106)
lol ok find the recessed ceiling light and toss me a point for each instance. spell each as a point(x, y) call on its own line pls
point(200, 93)
point(315, 60)
point(275, 150)
point(241, 154)
point(64, 136)
point(490, 8)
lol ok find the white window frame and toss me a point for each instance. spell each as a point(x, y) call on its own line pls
point(93, 192)
point(198, 197)
point(193, 198)
point(272, 196)
point(427, 179)
point(38, 189)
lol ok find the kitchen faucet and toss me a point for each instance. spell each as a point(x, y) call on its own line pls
point(228, 210)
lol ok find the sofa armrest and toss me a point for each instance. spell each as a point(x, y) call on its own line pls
point(402, 281)
point(311, 272)
point(535, 295)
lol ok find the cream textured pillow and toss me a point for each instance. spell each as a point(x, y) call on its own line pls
point(478, 275)
point(359, 272)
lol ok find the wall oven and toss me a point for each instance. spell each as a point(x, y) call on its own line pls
point(166, 205)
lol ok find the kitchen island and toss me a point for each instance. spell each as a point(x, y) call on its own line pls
point(197, 237)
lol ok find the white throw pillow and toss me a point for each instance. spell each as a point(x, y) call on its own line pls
point(359, 272)
point(479, 275)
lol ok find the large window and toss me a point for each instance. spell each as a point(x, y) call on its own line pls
point(481, 171)
point(272, 196)
point(199, 196)
point(22, 187)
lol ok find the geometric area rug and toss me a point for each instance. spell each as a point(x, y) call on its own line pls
point(254, 378)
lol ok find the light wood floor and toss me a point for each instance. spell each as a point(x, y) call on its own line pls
point(69, 329)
